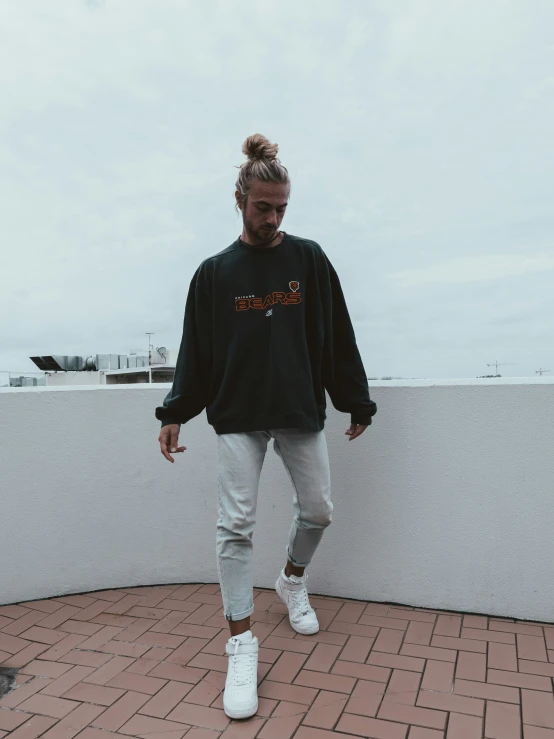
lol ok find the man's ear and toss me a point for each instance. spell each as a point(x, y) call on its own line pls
point(238, 199)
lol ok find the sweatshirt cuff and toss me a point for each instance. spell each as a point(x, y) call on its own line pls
point(168, 421)
point(362, 418)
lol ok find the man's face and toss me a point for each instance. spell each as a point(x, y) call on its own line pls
point(264, 210)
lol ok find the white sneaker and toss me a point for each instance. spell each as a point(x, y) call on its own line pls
point(294, 594)
point(240, 699)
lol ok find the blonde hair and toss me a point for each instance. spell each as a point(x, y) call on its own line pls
point(261, 164)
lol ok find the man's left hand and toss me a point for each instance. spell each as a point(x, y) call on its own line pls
point(355, 430)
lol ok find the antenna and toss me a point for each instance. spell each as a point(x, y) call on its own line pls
point(149, 334)
point(541, 371)
point(498, 364)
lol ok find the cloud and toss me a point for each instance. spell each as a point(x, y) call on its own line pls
point(472, 268)
point(417, 134)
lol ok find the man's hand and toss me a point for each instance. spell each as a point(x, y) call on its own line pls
point(169, 438)
point(355, 430)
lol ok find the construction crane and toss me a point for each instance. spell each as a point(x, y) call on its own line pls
point(541, 371)
point(498, 364)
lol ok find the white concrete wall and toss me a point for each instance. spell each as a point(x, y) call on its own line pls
point(446, 502)
point(57, 379)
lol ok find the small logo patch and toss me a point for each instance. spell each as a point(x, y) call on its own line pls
point(269, 312)
point(294, 285)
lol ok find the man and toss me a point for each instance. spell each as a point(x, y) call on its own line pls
point(266, 333)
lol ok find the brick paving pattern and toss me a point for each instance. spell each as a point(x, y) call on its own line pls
point(150, 662)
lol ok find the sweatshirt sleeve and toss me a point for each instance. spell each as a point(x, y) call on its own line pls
point(345, 378)
point(188, 395)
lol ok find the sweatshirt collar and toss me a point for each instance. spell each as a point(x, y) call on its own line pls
point(262, 249)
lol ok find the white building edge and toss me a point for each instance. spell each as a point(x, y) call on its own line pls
point(101, 369)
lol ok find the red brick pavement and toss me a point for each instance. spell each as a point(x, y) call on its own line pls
point(150, 662)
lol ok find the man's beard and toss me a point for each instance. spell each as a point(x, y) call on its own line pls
point(262, 235)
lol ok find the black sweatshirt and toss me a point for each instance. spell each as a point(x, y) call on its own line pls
point(266, 332)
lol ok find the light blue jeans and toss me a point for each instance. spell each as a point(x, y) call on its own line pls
point(240, 460)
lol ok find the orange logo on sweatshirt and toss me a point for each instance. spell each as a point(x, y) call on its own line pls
point(246, 302)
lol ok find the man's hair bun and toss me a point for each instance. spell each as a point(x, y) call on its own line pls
point(257, 147)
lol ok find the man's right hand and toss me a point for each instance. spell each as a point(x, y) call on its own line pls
point(169, 438)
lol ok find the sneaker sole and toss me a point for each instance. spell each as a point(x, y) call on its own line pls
point(244, 713)
point(305, 632)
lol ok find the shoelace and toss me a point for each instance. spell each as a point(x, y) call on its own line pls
point(243, 667)
point(300, 601)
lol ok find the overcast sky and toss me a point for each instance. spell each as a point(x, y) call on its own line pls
point(418, 135)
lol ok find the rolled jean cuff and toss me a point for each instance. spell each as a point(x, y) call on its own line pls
point(239, 616)
point(295, 562)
